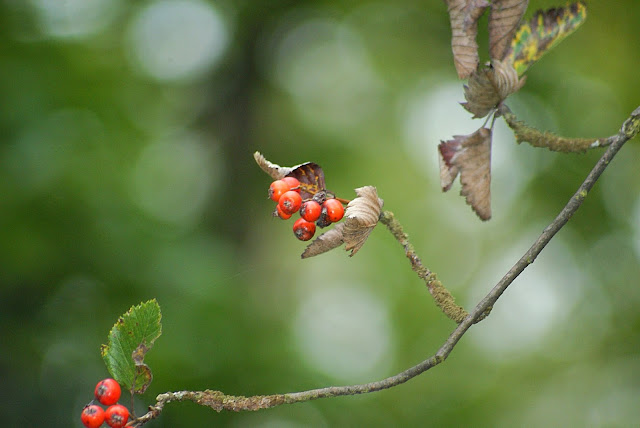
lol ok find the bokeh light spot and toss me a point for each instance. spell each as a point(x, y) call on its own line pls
point(324, 66)
point(540, 299)
point(74, 18)
point(172, 180)
point(343, 332)
point(178, 39)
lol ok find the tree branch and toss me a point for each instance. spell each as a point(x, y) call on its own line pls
point(220, 401)
point(527, 134)
point(441, 295)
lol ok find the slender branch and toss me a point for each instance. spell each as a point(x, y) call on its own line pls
point(441, 295)
point(220, 401)
point(527, 134)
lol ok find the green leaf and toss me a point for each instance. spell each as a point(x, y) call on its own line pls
point(129, 340)
point(544, 31)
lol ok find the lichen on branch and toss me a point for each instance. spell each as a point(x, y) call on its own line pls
point(443, 298)
point(545, 139)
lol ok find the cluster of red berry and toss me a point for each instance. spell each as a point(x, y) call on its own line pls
point(319, 210)
point(108, 393)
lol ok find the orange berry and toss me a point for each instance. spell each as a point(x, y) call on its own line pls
point(277, 188)
point(283, 215)
point(303, 229)
point(310, 211)
point(290, 202)
point(107, 391)
point(92, 416)
point(116, 416)
point(294, 183)
point(333, 210)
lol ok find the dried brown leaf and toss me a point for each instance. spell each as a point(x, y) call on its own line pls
point(490, 86)
point(469, 155)
point(325, 242)
point(504, 19)
point(309, 174)
point(361, 217)
point(275, 171)
point(311, 179)
point(464, 15)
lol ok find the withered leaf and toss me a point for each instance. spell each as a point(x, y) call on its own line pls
point(490, 86)
point(361, 217)
point(143, 376)
point(469, 155)
point(311, 179)
point(325, 242)
point(504, 19)
point(309, 174)
point(275, 171)
point(464, 15)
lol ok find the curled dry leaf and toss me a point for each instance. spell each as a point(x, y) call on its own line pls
point(504, 19)
point(275, 171)
point(490, 86)
point(325, 242)
point(470, 156)
point(361, 217)
point(464, 15)
point(309, 174)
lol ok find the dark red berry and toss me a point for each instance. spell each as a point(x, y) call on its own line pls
point(277, 188)
point(92, 416)
point(310, 211)
point(290, 202)
point(107, 391)
point(303, 229)
point(294, 183)
point(323, 221)
point(116, 416)
point(334, 210)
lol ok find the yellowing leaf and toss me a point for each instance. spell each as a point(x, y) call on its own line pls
point(469, 156)
point(490, 86)
point(129, 340)
point(544, 31)
point(361, 217)
point(464, 15)
point(504, 19)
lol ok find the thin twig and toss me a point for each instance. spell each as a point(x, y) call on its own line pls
point(528, 134)
point(220, 401)
point(441, 295)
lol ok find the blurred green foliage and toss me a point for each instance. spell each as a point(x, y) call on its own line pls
point(127, 174)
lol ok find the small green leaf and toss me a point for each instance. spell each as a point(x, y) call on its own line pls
point(545, 30)
point(129, 340)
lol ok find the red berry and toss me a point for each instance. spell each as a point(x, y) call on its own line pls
point(107, 391)
point(92, 416)
point(310, 211)
point(294, 183)
point(277, 188)
point(290, 202)
point(303, 229)
point(116, 416)
point(283, 215)
point(333, 210)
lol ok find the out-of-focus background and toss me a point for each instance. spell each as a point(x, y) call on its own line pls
point(126, 173)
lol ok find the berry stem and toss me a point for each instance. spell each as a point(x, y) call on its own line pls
point(343, 201)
